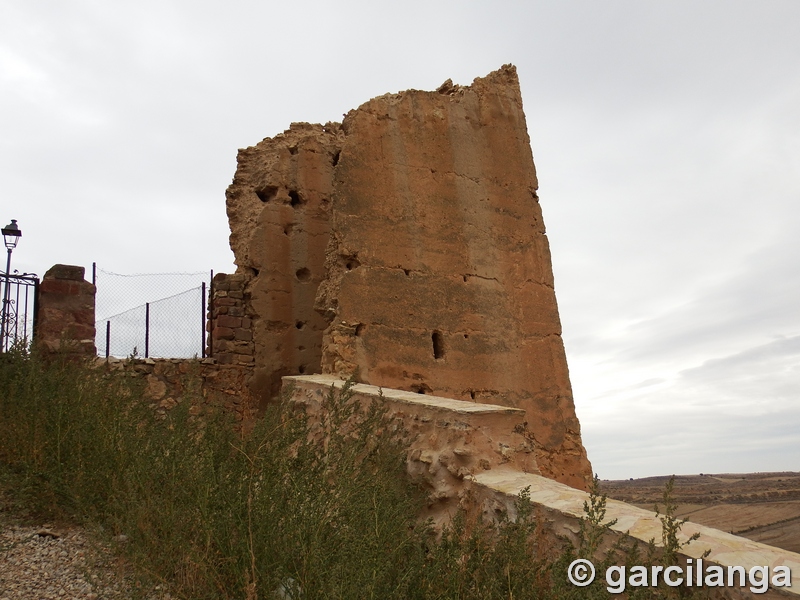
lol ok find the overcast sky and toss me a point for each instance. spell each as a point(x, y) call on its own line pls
point(666, 137)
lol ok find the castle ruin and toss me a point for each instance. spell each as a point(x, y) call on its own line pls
point(406, 246)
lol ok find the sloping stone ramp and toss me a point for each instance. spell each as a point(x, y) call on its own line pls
point(488, 450)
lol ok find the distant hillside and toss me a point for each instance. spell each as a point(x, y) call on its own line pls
point(764, 507)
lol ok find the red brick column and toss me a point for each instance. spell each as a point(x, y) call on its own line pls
point(66, 312)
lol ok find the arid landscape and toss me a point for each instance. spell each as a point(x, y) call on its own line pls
point(764, 507)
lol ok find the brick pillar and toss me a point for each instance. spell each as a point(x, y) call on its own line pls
point(231, 326)
point(66, 312)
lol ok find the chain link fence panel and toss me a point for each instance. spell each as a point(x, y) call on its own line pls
point(151, 315)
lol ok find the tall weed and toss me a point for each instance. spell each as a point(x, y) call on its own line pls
point(214, 513)
point(298, 507)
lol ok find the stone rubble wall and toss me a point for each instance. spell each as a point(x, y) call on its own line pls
point(66, 316)
point(230, 322)
point(209, 384)
point(66, 324)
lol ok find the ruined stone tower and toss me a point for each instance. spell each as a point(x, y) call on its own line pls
point(406, 246)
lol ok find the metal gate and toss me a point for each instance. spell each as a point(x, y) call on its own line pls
point(20, 307)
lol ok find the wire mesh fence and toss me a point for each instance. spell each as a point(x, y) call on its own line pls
point(151, 315)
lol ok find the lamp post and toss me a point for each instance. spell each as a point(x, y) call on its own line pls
point(11, 235)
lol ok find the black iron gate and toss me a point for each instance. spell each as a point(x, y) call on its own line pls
point(20, 307)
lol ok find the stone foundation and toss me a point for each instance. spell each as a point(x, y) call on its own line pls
point(208, 384)
point(561, 509)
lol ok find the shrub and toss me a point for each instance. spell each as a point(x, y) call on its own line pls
point(216, 514)
point(312, 508)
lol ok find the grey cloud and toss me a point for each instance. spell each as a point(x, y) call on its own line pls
point(780, 350)
point(664, 133)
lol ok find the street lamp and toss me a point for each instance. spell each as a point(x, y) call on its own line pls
point(11, 235)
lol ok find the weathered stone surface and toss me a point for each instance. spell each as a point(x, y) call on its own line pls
point(278, 207)
point(416, 224)
point(209, 385)
point(478, 458)
point(66, 317)
point(71, 272)
point(561, 509)
point(451, 439)
point(438, 275)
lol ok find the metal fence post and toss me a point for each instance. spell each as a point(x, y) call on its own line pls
point(35, 307)
point(108, 338)
point(203, 321)
point(211, 317)
point(147, 330)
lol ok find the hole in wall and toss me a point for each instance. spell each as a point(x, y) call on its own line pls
point(303, 275)
point(472, 394)
point(352, 263)
point(287, 229)
point(301, 348)
point(438, 345)
point(335, 159)
point(359, 329)
point(407, 272)
point(300, 324)
point(292, 149)
point(267, 193)
point(466, 336)
point(301, 369)
point(465, 278)
point(421, 388)
point(295, 199)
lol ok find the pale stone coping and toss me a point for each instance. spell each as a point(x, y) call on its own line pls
point(726, 549)
point(428, 401)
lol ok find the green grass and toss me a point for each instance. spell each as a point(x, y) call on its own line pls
point(323, 507)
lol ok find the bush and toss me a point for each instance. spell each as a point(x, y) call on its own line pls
point(297, 507)
point(216, 514)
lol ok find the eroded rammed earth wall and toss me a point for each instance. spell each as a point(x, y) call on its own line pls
point(278, 208)
point(414, 229)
